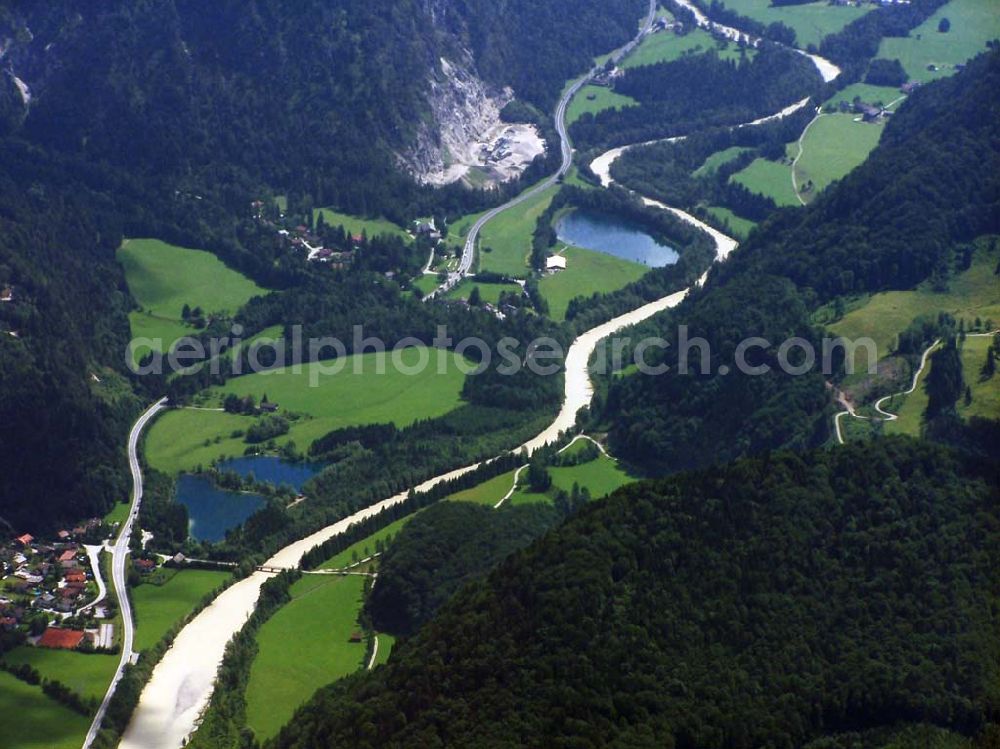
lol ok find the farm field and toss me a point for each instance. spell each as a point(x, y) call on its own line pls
point(833, 146)
point(365, 547)
point(985, 392)
point(717, 159)
point(509, 236)
point(973, 293)
point(88, 674)
point(159, 607)
point(869, 94)
point(594, 99)
point(357, 225)
point(426, 283)
point(180, 440)
point(117, 513)
point(487, 493)
point(488, 292)
point(768, 178)
point(665, 46)
point(600, 477)
point(34, 721)
point(587, 272)
point(811, 22)
point(163, 278)
point(303, 647)
point(973, 23)
point(739, 227)
point(385, 646)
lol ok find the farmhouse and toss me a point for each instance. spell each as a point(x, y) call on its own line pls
point(555, 263)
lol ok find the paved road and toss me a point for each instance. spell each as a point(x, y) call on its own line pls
point(469, 250)
point(119, 553)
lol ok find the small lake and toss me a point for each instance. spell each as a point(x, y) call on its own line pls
point(273, 469)
point(613, 236)
point(213, 511)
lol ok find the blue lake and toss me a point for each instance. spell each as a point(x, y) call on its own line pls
point(613, 236)
point(273, 469)
point(213, 511)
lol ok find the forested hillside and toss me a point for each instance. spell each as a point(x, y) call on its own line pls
point(770, 602)
point(931, 185)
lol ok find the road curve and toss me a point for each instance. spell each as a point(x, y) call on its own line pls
point(469, 249)
point(119, 552)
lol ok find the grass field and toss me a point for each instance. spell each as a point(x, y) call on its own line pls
point(357, 225)
point(177, 440)
point(587, 272)
point(973, 23)
point(769, 178)
point(811, 22)
point(739, 227)
point(509, 236)
point(973, 293)
point(665, 46)
point(385, 646)
point(365, 547)
point(488, 292)
point(883, 95)
point(88, 674)
point(159, 607)
point(163, 278)
point(487, 493)
point(302, 647)
point(117, 513)
point(834, 145)
point(600, 476)
point(594, 99)
point(717, 159)
point(33, 721)
point(985, 393)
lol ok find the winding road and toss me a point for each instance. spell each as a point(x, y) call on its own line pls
point(119, 553)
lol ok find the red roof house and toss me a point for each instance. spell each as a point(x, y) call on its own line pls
point(68, 556)
point(62, 639)
point(75, 576)
point(24, 540)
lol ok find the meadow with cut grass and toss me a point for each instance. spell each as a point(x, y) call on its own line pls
point(738, 226)
point(369, 389)
point(87, 674)
point(869, 94)
point(35, 721)
point(162, 278)
point(587, 272)
point(370, 227)
point(304, 646)
point(833, 145)
point(488, 292)
point(666, 46)
point(599, 476)
point(594, 99)
point(365, 547)
point(811, 21)
point(505, 242)
point(769, 178)
point(717, 159)
point(973, 23)
point(159, 607)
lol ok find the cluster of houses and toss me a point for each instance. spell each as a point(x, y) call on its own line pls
point(54, 578)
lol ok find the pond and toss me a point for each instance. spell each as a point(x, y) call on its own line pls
point(273, 469)
point(213, 511)
point(614, 236)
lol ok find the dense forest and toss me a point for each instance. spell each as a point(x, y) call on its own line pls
point(770, 602)
point(931, 185)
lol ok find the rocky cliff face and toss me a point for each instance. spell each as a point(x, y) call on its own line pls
point(466, 139)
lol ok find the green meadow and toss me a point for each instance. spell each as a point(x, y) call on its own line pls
point(879, 95)
point(34, 721)
point(973, 23)
point(357, 225)
point(666, 46)
point(487, 493)
point(587, 272)
point(833, 146)
point(769, 178)
point(163, 278)
point(508, 236)
point(488, 292)
point(739, 227)
point(303, 647)
point(159, 607)
point(87, 674)
point(365, 547)
point(593, 99)
point(717, 159)
point(385, 645)
point(369, 389)
point(599, 476)
point(881, 317)
point(811, 21)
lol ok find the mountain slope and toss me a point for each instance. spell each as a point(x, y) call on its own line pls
point(765, 603)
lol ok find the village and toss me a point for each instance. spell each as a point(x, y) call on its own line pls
point(52, 593)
